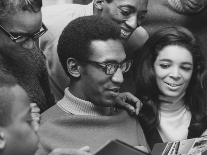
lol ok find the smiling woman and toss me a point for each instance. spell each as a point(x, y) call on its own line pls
point(173, 70)
point(169, 84)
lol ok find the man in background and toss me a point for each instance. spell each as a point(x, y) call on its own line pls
point(20, 27)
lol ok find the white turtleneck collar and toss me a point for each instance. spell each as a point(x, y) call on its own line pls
point(174, 119)
point(71, 104)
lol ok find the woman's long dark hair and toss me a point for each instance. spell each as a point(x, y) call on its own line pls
point(147, 89)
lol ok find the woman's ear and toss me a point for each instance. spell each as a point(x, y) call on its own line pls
point(98, 4)
point(2, 140)
point(73, 67)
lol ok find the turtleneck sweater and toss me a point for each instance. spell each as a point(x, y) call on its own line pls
point(79, 106)
point(174, 119)
point(74, 123)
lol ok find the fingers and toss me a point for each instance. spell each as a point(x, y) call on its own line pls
point(68, 151)
point(35, 115)
point(121, 102)
point(139, 105)
point(130, 102)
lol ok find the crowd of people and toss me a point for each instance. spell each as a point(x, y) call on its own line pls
point(73, 77)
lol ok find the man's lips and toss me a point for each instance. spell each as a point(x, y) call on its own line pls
point(114, 91)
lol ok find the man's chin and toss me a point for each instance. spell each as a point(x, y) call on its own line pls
point(109, 103)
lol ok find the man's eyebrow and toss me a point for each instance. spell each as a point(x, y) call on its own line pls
point(127, 6)
point(113, 61)
point(26, 33)
point(133, 8)
point(20, 33)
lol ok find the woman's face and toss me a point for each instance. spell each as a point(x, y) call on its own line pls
point(173, 70)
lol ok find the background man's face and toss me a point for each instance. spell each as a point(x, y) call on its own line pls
point(98, 87)
point(127, 13)
point(22, 22)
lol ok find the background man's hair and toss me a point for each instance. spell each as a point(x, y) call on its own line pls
point(7, 81)
point(9, 7)
point(76, 37)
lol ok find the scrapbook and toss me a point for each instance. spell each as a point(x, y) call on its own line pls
point(117, 147)
point(194, 146)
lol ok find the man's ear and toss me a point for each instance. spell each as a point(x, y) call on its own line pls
point(2, 140)
point(73, 67)
point(98, 4)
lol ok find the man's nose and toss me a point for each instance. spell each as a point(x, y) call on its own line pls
point(132, 22)
point(29, 44)
point(118, 76)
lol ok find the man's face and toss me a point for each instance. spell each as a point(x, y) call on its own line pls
point(23, 22)
point(127, 13)
point(20, 136)
point(98, 87)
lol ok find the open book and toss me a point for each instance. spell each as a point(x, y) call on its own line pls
point(194, 146)
point(117, 147)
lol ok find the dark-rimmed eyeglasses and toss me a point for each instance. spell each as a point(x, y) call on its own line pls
point(110, 68)
point(22, 37)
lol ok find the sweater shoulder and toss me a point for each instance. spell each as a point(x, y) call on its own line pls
point(52, 113)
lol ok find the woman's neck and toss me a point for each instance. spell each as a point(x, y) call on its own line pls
point(171, 103)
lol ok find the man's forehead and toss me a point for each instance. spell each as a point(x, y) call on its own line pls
point(23, 21)
point(132, 3)
point(107, 50)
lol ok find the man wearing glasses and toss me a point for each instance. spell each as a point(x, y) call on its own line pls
point(20, 27)
point(129, 14)
point(93, 57)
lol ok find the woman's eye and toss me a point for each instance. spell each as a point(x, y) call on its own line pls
point(186, 68)
point(164, 65)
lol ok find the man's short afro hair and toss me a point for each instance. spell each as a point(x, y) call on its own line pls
point(76, 37)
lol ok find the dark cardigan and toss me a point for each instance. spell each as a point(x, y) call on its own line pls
point(153, 136)
point(29, 68)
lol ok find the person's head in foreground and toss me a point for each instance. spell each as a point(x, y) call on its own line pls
point(17, 124)
point(93, 56)
point(128, 14)
point(21, 23)
point(170, 70)
point(17, 135)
